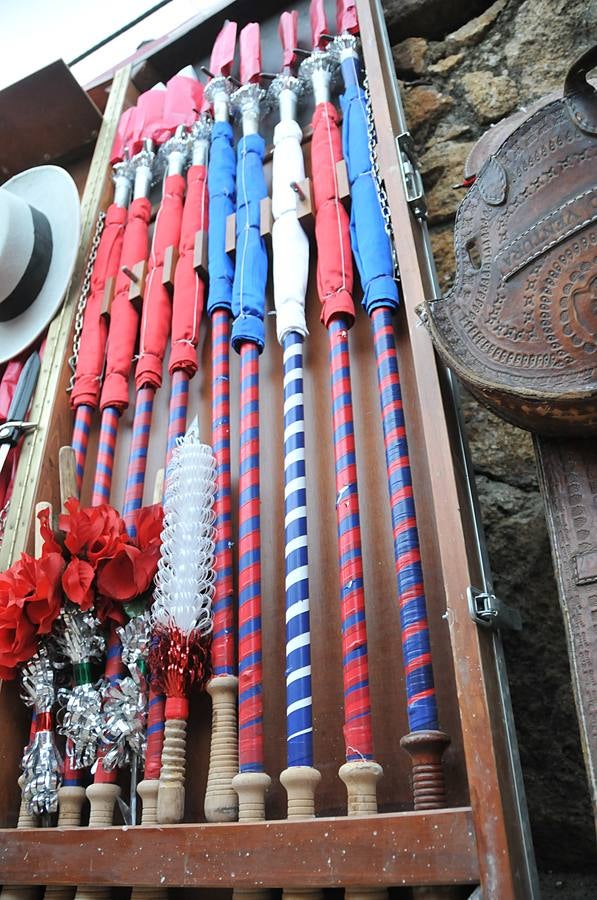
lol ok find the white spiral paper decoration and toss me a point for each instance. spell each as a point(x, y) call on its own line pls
point(185, 577)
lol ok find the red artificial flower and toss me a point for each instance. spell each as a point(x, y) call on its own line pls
point(50, 544)
point(94, 533)
point(76, 583)
point(43, 605)
point(33, 586)
point(126, 575)
point(18, 641)
point(149, 524)
point(108, 610)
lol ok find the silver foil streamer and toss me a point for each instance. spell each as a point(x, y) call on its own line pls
point(79, 638)
point(42, 774)
point(81, 723)
point(125, 704)
point(78, 635)
point(124, 723)
point(135, 638)
point(42, 763)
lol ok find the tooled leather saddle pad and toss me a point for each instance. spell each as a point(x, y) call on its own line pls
point(519, 326)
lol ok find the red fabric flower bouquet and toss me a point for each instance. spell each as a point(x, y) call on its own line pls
point(97, 565)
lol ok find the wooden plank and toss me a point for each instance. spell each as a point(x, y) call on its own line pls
point(568, 477)
point(394, 849)
point(496, 823)
point(39, 456)
point(38, 128)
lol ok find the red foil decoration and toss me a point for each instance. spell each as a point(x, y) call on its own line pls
point(179, 661)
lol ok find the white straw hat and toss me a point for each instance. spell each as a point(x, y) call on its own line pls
point(40, 221)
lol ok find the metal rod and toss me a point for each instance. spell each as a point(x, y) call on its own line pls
point(118, 32)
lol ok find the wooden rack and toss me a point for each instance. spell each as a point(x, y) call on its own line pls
point(478, 838)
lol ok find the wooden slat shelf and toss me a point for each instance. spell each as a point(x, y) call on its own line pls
point(393, 849)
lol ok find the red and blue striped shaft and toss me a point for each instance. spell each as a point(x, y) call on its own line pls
point(250, 699)
point(104, 466)
point(80, 439)
point(299, 701)
point(113, 673)
point(155, 734)
point(177, 417)
point(355, 666)
point(416, 648)
point(222, 648)
point(135, 476)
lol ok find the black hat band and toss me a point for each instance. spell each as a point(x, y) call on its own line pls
point(33, 277)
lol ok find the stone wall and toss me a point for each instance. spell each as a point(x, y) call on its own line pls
point(455, 84)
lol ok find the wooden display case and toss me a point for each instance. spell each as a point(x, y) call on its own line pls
point(478, 837)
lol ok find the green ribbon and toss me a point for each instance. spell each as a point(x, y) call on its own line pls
point(82, 672)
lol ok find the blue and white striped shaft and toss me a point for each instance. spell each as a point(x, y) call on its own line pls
point(299, 718)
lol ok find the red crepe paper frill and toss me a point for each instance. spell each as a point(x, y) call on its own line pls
point(30, 601)
point(179, 662)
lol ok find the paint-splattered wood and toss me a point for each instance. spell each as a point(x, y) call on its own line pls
point(393, 849)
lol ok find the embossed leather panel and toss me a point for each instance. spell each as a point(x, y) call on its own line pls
point(568, 470)
point(519, 326)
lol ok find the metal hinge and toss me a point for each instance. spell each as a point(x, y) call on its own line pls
point(411, 176)
point(489, 611)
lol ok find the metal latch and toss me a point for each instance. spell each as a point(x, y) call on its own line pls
point(489, 611)
point(411, 177)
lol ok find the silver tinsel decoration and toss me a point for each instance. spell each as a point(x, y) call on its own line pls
point(135, 638)
point(124, 717)
point(79, 638)
point(124, 710)
point(42, 763)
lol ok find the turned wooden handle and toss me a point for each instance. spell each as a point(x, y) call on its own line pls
point(70, 804)
point(221, 800)
point(26, 819)
point(426, 749)
point(360, 778)
point(172, 775)
point(300, 783)
point(102, 797)
point(148, 791)
point(251, 788)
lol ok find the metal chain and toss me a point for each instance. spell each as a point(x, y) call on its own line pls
point(85, 287)
point(380, 187)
